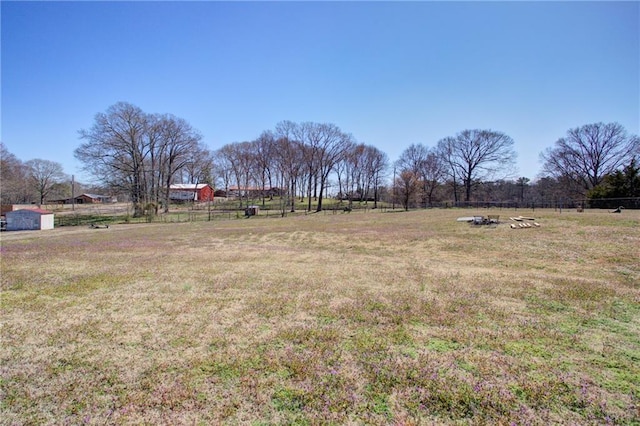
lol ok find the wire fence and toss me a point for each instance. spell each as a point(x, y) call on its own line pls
point(560, 203)
point(123, 213)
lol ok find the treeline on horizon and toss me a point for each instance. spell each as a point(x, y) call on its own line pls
point(138, 155)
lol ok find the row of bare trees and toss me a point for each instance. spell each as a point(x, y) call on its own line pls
point(298, 160)
point(479, 166)
point(464, 160)
point(32, 181)
point(142, 154)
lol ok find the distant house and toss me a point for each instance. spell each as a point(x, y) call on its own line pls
point(29, 220)
point(94, 199)
point(191, 192)
point(86, 199)
point(252, 191)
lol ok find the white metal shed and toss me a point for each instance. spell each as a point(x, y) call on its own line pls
point(29, 220)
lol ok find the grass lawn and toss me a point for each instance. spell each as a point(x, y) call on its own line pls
point(361, 318)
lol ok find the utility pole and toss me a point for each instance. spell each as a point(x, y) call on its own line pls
point(73, 196)
point(393, 189)
point(209, 205)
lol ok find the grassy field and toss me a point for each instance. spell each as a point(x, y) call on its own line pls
point(362, 318)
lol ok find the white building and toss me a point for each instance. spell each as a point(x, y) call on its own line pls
point(29, 220)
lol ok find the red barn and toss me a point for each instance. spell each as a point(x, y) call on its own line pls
point(191, 192)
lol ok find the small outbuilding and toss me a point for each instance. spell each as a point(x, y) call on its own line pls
point(251, 210)
point(29, 220)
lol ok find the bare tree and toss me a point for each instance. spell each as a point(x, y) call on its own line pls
point(410, 168)
point(44, 175)
point(179, 142)
point(377, 163)
point(306, 133)
point(408, 184)
point(13, 178)
point(116, 150)
point(153, 175)
point(142, 153)
point(341, 171)
point(240, 158)
point(349, 171)
point(221, 170)
point(360, 172)
point(445, 150)
point(199, 165)
point(476, 155)
point(290, 159)
point(327, 145)
point(228, 156)
point(432, 171)
point(264, 148)
point(588, 153)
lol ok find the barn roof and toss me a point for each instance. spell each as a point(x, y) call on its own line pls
point(95, 196)
point(190, 186)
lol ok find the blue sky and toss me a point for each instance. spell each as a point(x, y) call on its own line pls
point(390, 73)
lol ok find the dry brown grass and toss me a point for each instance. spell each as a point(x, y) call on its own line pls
point(367, 318)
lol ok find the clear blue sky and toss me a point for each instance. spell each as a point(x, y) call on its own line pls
point(392, 74)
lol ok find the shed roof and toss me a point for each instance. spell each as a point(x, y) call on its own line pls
point(39, 211)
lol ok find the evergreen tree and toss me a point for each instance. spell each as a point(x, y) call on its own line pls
point(617, 186)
